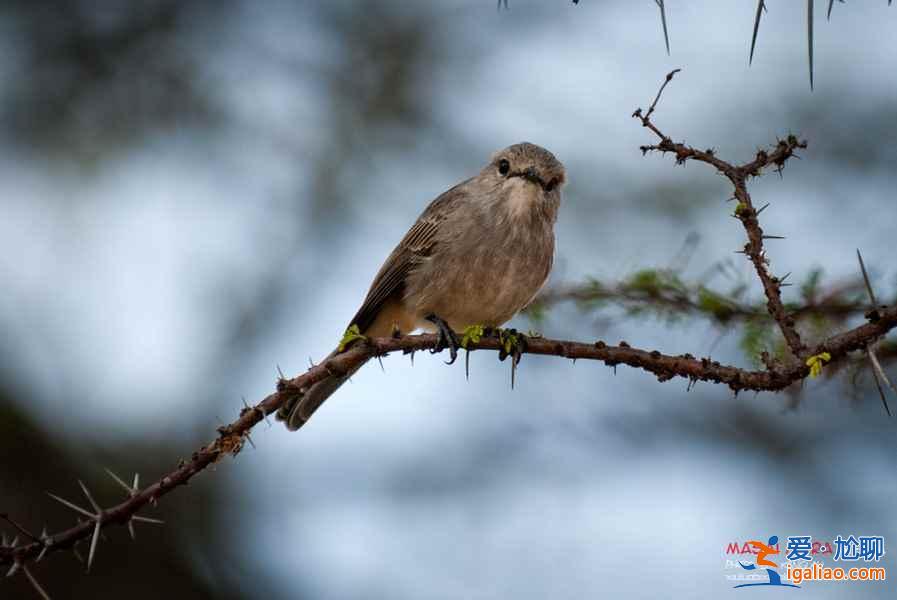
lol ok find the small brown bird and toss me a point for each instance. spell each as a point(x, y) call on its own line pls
point(477, 255)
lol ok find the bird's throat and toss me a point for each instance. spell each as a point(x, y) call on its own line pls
point(523, 198)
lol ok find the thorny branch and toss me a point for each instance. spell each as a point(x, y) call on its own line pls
point(664, 292)
point(777, 376)
point(744, 211)
point(232, 437)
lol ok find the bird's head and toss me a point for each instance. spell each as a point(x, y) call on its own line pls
point(529, 176)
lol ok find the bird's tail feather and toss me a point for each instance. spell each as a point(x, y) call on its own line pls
point(298, 412)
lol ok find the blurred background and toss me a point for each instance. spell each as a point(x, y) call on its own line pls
point(194, 194)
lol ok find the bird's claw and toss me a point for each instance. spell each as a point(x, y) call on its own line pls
point(446, 340)
point(513, 344)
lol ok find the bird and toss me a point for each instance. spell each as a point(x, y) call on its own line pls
point(477, 255)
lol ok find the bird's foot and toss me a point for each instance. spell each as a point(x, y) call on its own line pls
point(352, 333)
point(513, 344)
point(447, 338)
point(472, 334)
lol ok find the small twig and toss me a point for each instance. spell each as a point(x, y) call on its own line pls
point(647, 115)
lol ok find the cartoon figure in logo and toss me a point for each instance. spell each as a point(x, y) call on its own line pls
point(764, 550)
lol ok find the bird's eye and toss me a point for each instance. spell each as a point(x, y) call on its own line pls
point(551, 184)
point(504, 166)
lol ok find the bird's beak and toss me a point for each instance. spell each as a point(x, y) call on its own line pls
point(531, 175)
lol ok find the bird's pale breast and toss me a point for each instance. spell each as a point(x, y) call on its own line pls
point(490, 271)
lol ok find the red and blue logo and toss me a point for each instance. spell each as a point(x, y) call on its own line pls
point(764, 550)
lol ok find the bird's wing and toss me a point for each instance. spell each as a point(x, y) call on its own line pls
point(417, 244)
